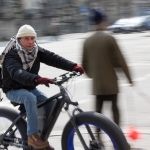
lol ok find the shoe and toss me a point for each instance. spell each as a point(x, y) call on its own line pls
point(36, 142)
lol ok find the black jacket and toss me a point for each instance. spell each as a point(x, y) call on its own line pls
point(15, 77)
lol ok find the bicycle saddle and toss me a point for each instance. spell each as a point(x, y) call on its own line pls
point(14, 104)
point(21, 106)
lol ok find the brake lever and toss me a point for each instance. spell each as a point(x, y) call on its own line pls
point(76, 73)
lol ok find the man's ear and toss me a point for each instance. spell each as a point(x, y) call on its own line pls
point(19, 39)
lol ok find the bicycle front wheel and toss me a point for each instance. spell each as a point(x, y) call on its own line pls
point(110, 138)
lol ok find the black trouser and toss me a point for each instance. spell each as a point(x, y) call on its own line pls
point(113, 98)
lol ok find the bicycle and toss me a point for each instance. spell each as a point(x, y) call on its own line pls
point(79, 132)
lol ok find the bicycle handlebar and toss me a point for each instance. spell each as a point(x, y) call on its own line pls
point(65, 77)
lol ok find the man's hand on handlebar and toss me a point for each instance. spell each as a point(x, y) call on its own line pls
point(78, 68)
point(45, 81)
point(62, 78)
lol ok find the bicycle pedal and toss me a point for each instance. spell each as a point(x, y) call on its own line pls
point(46, 148)
point(31, 148)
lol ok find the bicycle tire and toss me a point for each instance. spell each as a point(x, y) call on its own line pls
point(11, 115)
point(101, 122)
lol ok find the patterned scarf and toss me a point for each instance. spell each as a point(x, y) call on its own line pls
point(27, 57)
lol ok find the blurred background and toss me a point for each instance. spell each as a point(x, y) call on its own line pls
point(57, 17)
point(63, 17)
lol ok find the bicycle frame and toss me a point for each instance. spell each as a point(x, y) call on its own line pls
point(52, 108)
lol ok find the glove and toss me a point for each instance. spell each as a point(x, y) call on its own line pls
point(46, 81)
point(78, 69)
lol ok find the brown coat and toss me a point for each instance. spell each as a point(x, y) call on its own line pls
point(101, 55)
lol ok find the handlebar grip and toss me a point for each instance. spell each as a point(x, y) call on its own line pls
point(76, 73)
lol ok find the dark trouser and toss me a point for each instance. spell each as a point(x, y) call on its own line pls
point(113, 98)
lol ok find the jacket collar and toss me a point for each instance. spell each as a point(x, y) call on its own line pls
point(99, 27)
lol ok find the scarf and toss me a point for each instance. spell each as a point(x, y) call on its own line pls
point(27, 56)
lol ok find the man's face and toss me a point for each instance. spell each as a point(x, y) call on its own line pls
point(27, 42)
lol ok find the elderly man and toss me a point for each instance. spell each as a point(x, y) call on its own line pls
point(20, 66)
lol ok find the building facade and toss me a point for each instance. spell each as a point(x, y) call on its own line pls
point(68, 15)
